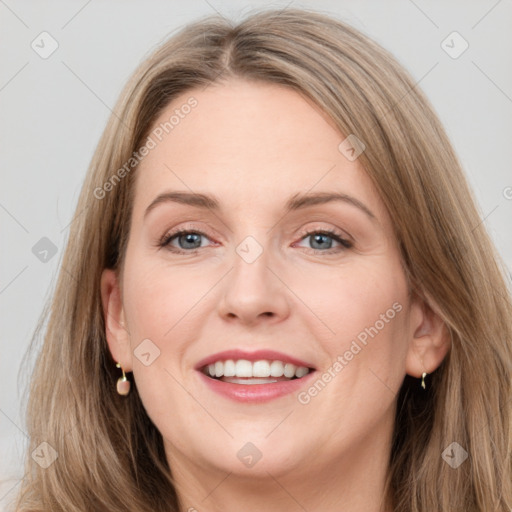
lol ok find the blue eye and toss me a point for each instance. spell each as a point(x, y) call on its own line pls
point(190, 242)
point(323, 241)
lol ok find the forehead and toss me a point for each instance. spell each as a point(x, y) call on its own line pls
point(248, 142)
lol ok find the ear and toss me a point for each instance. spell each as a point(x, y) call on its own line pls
point(118, 337)
point(429, 339)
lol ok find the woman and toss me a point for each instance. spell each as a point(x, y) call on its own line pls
point(206, 351)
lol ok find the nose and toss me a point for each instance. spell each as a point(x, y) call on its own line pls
point(254, 291)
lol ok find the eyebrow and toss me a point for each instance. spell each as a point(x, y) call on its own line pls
point(296, 202)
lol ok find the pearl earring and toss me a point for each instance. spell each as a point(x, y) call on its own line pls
point(423, 385)
point(123, 384)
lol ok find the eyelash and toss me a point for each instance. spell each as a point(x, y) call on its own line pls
point(164, 242)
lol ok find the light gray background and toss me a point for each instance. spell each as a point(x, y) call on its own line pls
point(53, 111)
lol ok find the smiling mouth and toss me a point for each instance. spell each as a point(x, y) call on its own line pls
point(246, 372)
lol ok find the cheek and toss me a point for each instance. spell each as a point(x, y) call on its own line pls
point(160, 300)
point(159, 305)
point(349, 300)
point(363, 313)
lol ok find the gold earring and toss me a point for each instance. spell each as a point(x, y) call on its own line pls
point(423, 380)
point(123, 384)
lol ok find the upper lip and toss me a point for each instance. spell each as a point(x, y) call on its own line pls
point(258, 355)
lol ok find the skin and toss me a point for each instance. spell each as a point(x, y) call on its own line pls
point(252, 146)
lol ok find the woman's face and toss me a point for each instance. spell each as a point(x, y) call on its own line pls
point(288, 259)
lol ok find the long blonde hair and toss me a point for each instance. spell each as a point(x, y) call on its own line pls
point(109, 454)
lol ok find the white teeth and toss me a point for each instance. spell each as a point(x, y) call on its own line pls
point(289, 370)
point(234, 380)
point(301, 371)
point(259, 369)
point(229, 368)
point(276, 369)
point(243, 368)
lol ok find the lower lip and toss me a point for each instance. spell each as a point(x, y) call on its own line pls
point(255, 393)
